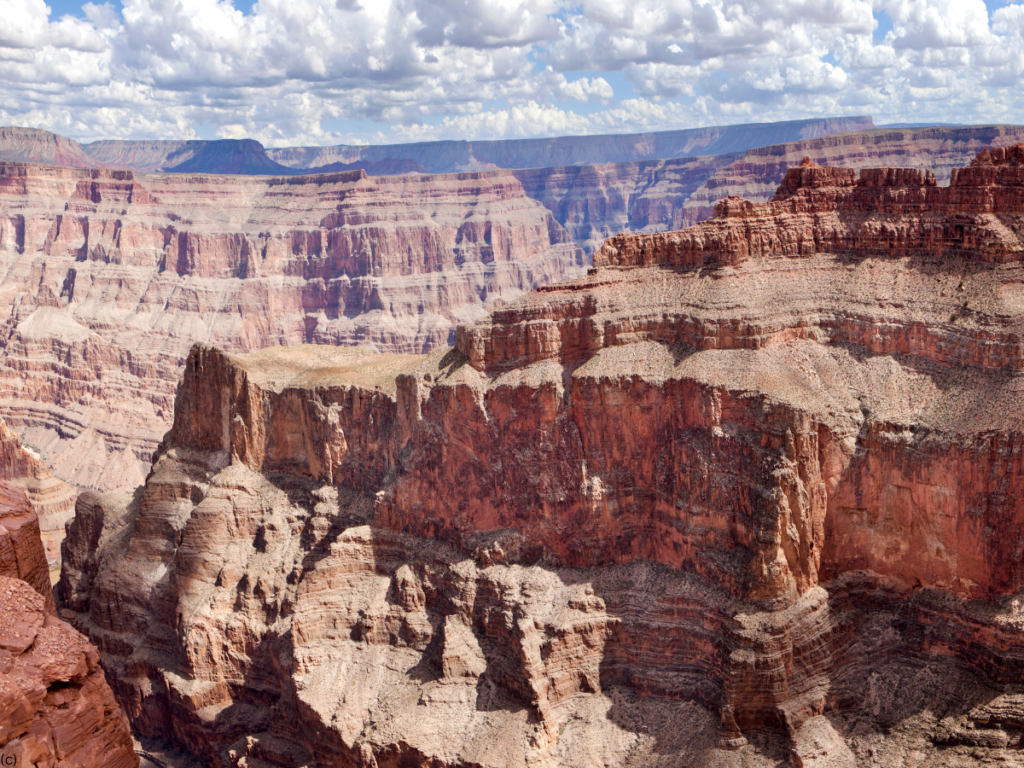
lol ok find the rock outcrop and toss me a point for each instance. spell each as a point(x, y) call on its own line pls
point(745, 494)
point(21, 551)
point(52, 500)
point(56, 709)
point(109, 278)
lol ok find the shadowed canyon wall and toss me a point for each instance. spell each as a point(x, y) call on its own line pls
point(745, 494)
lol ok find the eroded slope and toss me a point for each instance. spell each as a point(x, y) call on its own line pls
point(747, 493)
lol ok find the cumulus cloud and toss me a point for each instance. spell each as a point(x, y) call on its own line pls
point(332, 71)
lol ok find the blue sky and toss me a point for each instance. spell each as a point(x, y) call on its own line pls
point(355, 71)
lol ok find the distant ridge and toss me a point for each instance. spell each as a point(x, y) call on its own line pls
point(34, 145)
point(249, 157)
point(245, 157)
point(454, 156)
point(451, 157)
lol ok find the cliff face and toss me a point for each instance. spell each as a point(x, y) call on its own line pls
point(756, 174)
point(110, 278)
point(886, 211)
point(56, 708)
point(595, 202)
point(743, 495)
point(52, 500)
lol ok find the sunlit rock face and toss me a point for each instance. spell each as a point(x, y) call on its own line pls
point(110, 278)
point(746, 494)
point(52, 500)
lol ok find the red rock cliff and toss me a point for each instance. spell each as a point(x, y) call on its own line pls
point(752, 507)
point(110, 278)
point(52, 500)
point(56, 708)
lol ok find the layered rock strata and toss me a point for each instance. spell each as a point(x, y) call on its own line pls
point(56, 709)
point(21, 552)
point(110, 278)
point(755, 507)
point(52, 500)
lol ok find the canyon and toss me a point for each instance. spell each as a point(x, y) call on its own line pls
point(743, 494)
point(112, 275)
point(109, 278)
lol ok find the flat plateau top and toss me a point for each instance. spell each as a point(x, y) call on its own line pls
point(314, 365)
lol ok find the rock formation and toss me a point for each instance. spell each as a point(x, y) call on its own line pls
point(52, 500)
point(56, 709)
point(109, 278)
point(758, 172)
point(278, 261)
point(32, 145)
point(744, 494)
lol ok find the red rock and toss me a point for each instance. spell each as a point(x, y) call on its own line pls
point(52, 500)
point(695, 508)
point(112, 277)
point(55, 706)
point(21, 549)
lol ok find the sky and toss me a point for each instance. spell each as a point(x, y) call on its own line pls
point(320, 72)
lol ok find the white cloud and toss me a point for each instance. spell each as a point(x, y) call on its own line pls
point(330, 71)
point(26, 25)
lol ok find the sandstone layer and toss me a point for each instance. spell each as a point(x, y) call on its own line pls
point(109, 278)
point(52, 500)
point(745, 494)
point(56, 709)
